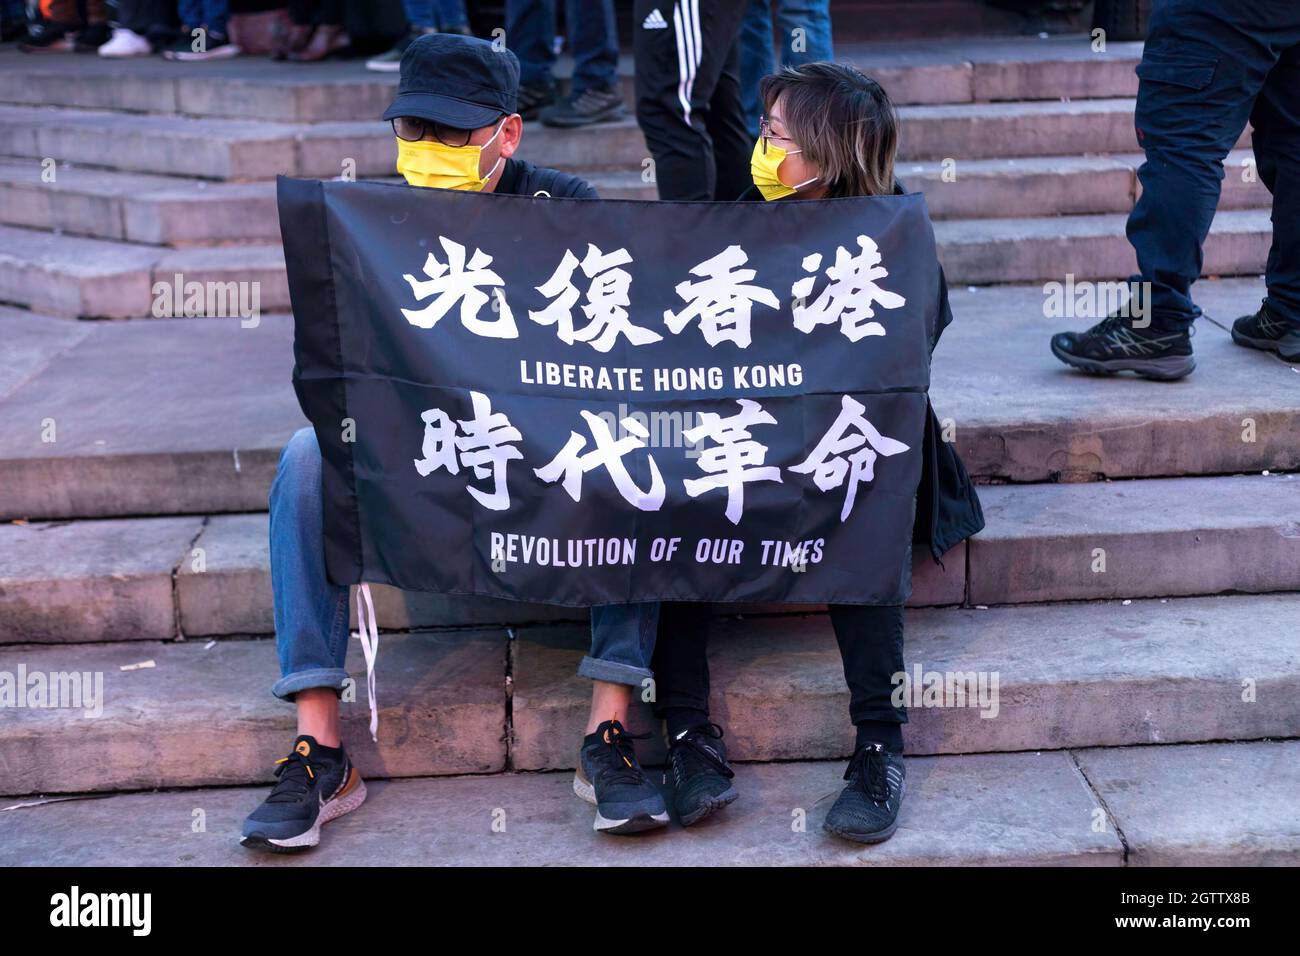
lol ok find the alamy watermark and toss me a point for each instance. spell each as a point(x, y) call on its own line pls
point(73, 690)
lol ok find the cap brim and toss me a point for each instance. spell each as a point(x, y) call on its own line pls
point(442, 109)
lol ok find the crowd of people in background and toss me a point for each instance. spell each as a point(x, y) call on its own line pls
point(307, 31)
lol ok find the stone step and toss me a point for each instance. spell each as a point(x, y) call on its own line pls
point(1015, 412)
point(916, 71)
point(993, 809)
point(986, 251)
point(64, 582)
point(164, 210)
point(74, 276)
point(1055, 676)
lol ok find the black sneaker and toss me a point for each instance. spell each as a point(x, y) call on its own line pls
point(92, 38)
point(216, 46)
point(313, 788)
point(701, 777)
point(1113, 345)
point(609, 776)
point(597, 105)
point(866, 811)
point(531, 100)
point(1269, 332)
point(48, 37)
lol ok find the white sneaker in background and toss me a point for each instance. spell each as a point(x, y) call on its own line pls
point(126, 43)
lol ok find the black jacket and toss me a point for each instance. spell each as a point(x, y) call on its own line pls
point(947, 508)
point(524, 179)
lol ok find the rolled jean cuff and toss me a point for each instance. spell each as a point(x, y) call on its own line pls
point(332, 677)
point(613, 672)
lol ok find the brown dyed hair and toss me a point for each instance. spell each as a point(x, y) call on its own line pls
point(844, 122)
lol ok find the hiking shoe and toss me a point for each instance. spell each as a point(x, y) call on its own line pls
point(701, 777)
point(314, 785)
point(531, 100)
point(1269, 332)
point(217, 46)
point(391, 60)
point(609, 776)
point(866, 811)
point(48, 38)
point(1113, 345)
point(597, 105)
point(91, 38)
point(125, 43)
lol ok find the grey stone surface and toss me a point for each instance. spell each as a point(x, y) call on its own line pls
point(982, 251)
point(30, 343)
point(90, 580)
point(205, 715)
point(1162, 537)
point(1067, 676)
point(1020, 415)
point(71, 276)
point(1208, 805)
point(229, 410)
point(1011, 809)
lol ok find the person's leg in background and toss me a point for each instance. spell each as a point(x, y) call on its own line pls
point(696, 754)
point(452, 16)
point(732, 144)
point(608, 774)
point(530, 35)
point(1204, 63)
point(678, 64)
point(596, 96)
point(317, 781)
point(756, 59)
point(329, 36)
point(804, 31)
point(137, 21)
point(213, 42)
point(871, 649)
point(1276, 138)
point(59, 26)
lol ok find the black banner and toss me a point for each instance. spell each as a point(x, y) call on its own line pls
point(588, 402)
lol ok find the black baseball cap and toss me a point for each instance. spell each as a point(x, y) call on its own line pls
point(457, 80)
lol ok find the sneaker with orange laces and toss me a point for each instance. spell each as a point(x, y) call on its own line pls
point(314, 785)
point(609, 776)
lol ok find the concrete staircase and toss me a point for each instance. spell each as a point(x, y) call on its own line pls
point(1135, 589)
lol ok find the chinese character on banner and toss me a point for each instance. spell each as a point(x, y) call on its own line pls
point(570, 464)
point(457, 281)
point(606, 305)
point(484, 445)
point(851, 432)
point(735, 459)
point(720, 299)
point(850, 295)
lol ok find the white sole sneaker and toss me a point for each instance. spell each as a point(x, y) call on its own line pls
point(310, 838)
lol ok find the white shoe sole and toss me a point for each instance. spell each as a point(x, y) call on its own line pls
point(331, 811)
point(637, 824)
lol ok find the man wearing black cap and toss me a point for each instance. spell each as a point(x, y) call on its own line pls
point(457, 128)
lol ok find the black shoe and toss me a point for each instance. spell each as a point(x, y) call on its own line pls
point(313, 788)
point(701, 777)
point(533, 99)
point(867, 809)
point(92, 38)
point(1114, 345)
point(609, 776)
point(216, 46)
point(590, 106)
point(48, 38)
point(1267, 331)
point(391, 60)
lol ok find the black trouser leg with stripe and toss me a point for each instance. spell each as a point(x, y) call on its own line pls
point(688, 98)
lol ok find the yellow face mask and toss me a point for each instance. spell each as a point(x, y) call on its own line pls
point(763, 168)
point(432, 164)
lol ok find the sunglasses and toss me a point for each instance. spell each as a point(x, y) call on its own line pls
point(413, 129)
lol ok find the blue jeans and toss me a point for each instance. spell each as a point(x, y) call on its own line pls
point(212, 14)
point(442, 14)
point(311, 614)
point(813, 17)
point(1208, 67)
point(530, 30)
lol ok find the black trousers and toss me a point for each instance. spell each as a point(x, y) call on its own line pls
point(871, 649)
point(688, 100)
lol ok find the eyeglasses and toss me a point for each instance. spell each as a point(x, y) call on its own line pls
point(765, 132)
point(413, 129)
